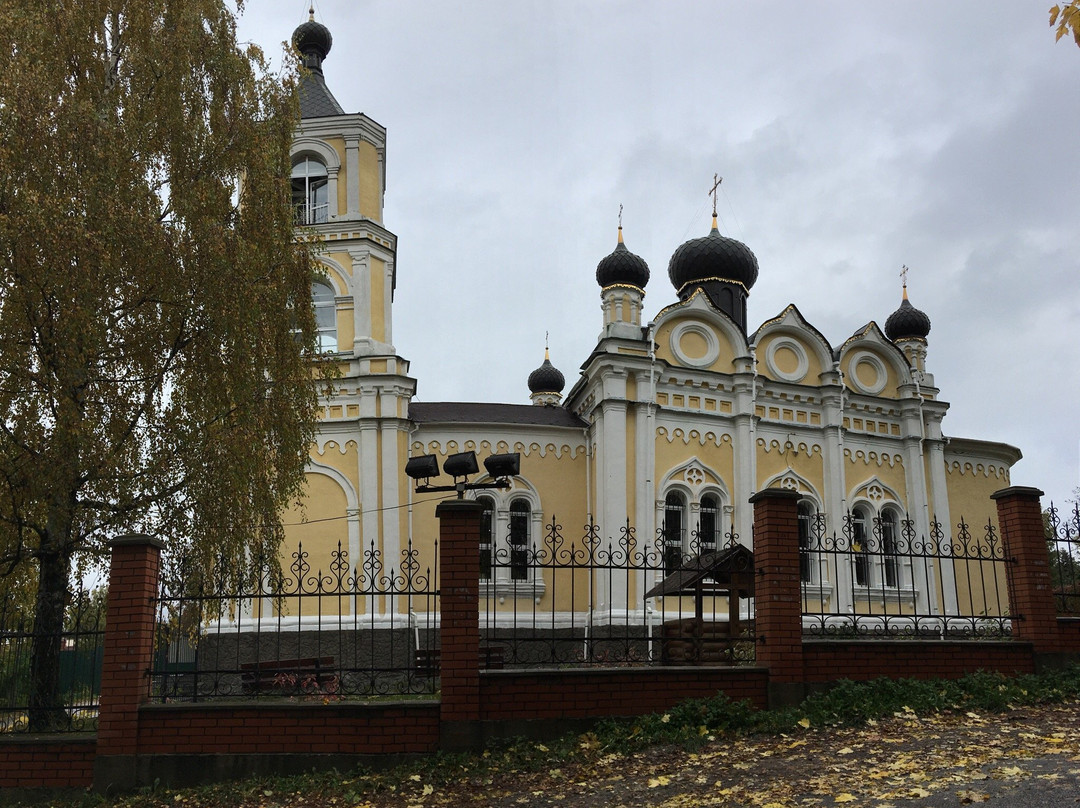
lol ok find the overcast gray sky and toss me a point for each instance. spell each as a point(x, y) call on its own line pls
point(853, 138)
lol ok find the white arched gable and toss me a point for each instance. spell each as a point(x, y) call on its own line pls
point(520, 488)
point(790, 322)
point(699, 306)
point(695, 478)
point(791, 480)
point(870, 339)
point(876, 493)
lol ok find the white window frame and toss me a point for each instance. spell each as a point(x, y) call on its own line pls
point(882, 571)
point(501, 583)
point(313, 188)
point(326, 335)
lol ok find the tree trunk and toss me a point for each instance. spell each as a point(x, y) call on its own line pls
point(47, 710)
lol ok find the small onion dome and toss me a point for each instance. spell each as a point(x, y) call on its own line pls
point(713, 258)
point(907, 322)
point(622, 268)
point(546, 378)
point(313, 40)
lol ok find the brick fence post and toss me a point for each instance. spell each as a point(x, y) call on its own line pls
point(778, 593)
point(1031, 590)
point(128, 651)
point(459, 605)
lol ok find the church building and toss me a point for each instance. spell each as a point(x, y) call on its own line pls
point(670, 426)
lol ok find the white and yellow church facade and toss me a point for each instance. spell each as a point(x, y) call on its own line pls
point(671, 426)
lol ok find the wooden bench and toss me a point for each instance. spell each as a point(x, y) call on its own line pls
point(428, 661)
point(310, 674)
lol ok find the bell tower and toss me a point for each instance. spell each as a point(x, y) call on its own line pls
point(338, 180)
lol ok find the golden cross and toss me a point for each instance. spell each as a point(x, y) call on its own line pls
point(712, 192)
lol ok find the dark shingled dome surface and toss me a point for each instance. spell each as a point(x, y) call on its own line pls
point(713, 256)
point(906, 322)
point(546, 379)
point(314, 36)
point(622, 267)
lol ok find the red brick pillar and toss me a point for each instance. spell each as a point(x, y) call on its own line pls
point(778, 593)
point(128, 652)
point(459, 595)
point(1031, 591)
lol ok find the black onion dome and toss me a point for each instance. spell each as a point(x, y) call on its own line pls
point(907, 322)
point(546, 379)
point(313, 38)
point(713, 257)
point(622, 267)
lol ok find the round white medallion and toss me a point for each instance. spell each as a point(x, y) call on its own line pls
point(786, 345)
point(695, 345)
point(864, 366)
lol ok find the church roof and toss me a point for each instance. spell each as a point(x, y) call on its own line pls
point(316, 100)
point(313, 40)
point(460, 412)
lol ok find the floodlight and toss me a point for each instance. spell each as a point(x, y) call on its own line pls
point(461, 464)
point(422, 467)
point(503, 465)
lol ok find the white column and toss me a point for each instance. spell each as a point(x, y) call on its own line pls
point(361, 282)
point(352, 176)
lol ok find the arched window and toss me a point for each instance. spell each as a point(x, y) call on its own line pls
point(860, 518)
point(889, 528)
point(487, 536)
point(310, 191)
point(708, 534)
point(674, 530)
point(322, 298)
point(807, 515)
point(520, 516)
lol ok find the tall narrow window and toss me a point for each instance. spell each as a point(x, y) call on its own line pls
point(674, 531)
point(310, 192)
point(322, 298)
point(889, 525)
point(859, 549)
point(520, 515)
point(487, 536)
point(806, 555)
point(708, 535)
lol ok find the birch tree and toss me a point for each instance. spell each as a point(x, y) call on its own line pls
point(154, 306)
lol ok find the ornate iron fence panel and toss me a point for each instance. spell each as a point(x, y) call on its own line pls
point(1063, 544)
point(890, 581)
point(559, 602)
point(319, 633)
point(75, 708)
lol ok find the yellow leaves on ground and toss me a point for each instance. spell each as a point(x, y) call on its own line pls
point(662, 780)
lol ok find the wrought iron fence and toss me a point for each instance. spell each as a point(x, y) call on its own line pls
point(599, 602)
point(1063, 544)
point(73, 705)
point(353, 630)
point(890, 581)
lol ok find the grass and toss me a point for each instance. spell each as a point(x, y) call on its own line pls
point(690, 725)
